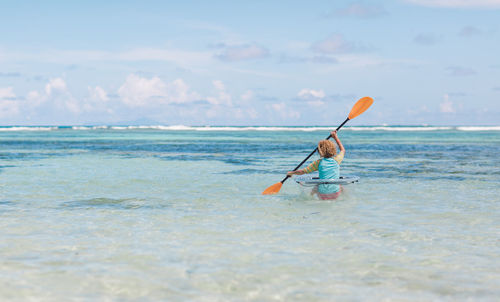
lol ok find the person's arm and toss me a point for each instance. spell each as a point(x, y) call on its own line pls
point(311, 168)
point(297, 172)
point(337, 140)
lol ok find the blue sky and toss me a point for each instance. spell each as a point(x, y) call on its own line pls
point(249, 63)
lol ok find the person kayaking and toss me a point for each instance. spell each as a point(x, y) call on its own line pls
point(328, 167)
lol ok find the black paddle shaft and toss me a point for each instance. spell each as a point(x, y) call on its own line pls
point(310, 154)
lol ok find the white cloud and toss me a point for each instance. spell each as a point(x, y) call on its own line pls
point(311, 93)
point(54, 103)
point(335, 43)
point(98, 94)
point(138, 92)
point(54, 86)
point(252, 113)
point(218, 85)
point(7, 93)
point(316, 103)
point(137, 97)
point(222, 97)
point(35, 99)
point(97, 100)
point(33, 95)
point(178, 92)
point(279, 106)
point(243, 113)
point(55, 97)
point(446, 106)
point(469, 31)
point(247, 95)
point(243, 52)
point(9, 106)
point(459, 71)
point(313, 97)
point(285, 112)
point(211, 113)
point(458, 3)
point(72, 105)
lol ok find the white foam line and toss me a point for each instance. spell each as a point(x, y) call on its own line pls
point(27, 128)
point(259, 128)
point(398, 128)
point(222, 128)
point(88, 127)
point(493, 128)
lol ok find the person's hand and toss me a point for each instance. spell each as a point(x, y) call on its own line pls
point(290, 173)
point(334, 133)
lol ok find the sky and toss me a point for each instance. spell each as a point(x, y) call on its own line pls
point(424, 62)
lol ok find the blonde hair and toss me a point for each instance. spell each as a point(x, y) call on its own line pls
point(327, 148)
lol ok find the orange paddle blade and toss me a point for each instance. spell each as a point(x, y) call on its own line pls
point(361, 105)
point(273, 189)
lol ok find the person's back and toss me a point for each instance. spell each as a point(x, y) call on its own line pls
point(328, 167)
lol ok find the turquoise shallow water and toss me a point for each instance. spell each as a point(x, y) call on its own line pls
point(175, 214)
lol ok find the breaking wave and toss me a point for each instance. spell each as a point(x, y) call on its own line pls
point(252, 128)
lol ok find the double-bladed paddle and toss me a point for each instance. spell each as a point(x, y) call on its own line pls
point(361, 105)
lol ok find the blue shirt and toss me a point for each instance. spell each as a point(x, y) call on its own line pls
point(328, 168)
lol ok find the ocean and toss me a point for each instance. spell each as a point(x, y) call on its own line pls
point(175, 213)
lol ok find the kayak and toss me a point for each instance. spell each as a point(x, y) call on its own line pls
point(314, 180)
